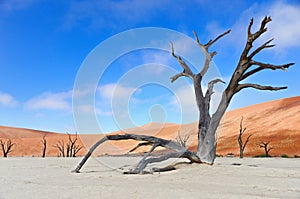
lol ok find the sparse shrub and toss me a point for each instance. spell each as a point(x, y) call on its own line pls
point(284, 156)
point(260, 156)
point(296, 156)
point(230, 155)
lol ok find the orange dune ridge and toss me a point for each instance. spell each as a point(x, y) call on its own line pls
point(276, 121)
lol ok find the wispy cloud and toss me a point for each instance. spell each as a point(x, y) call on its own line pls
point(284, 28)
point(7, 100)
point(51, 101)
point(184, 98)
point(116, 92)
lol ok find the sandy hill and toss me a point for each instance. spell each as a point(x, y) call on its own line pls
point(275, 121)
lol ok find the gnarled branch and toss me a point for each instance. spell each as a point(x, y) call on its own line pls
point(259, 87)
point(216, 39)
point(263, 66)
point(186, 69)
point(169, 144)
point(210, 88)
point(208, 56)
point(263, 46)
point(139, 145)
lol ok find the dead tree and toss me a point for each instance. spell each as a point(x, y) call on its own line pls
point(6, 147)
point(76, 149)
point(240, 139)
point(208, 124)
point(44, 142)
point(61, 148)
point(72, 147)
point(182, 140)
point(266, 147)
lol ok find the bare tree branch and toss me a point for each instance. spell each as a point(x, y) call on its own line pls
point(76, 149)
point(182, 140)
point(259, 87)
point(211, 84)
point(175, 77)
point(186, 69)
point(216, 39)
point(139, 145)
point(247, 140)
point(208, 56)
point(243, 64)
point(263, 46)
point(61, 147)
point(263, 66)
point(262, 28)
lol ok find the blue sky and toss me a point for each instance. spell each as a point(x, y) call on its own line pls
point(44, 43)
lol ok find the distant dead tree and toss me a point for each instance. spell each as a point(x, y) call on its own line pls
point(61, 148)
point(240, 139)
point(71, 148)
point(266, 147)
point(208, 121)
point(182, 140)
point(44, 142)
point(6, 147)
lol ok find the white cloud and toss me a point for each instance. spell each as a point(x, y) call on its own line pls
point(185, 98)
point(51, 101)
point(116, 92)
point(92, 109)
point(284, 28)
point(214, 29)
point(7, 100)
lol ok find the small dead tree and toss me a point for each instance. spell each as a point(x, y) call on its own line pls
point(61, 148)
point(266, 147)
point(76, 149)
point(207, 123)
point(240, 139)
point(44, 143)
point(6, 147)
point(72, 147)
point(182, 140)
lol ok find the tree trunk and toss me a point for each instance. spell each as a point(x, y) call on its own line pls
point(207, 152)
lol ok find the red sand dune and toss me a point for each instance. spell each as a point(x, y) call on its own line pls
point(275, 121)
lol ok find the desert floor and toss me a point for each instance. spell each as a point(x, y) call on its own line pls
point(102, 178)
